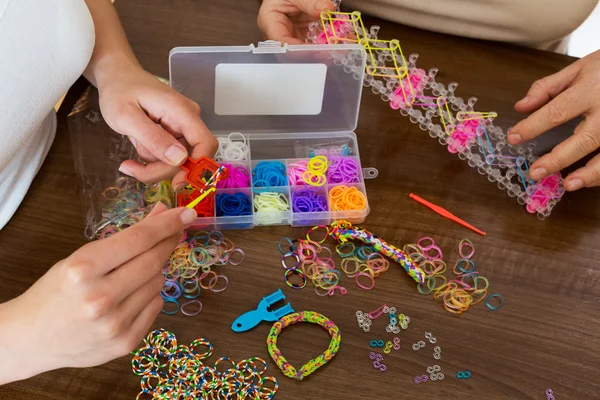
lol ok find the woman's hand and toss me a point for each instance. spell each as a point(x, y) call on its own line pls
point(95, 305)
point(287, 21)
point(163, 125)
point(556, 99)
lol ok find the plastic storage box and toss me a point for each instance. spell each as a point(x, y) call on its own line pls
point(288, 102)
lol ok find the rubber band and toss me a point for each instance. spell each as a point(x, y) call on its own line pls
point(314, 228)
point(361, 285)
point(286, 256)
point(204, 275)
point(191, 314)
point(314, 364)
point(216, 279)
point(237, 250)
point(299, 273)
point(494, 296)
point(466, 243)
point(340, 249)
point(173, 301)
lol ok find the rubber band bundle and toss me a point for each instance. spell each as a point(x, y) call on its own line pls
point(192, 268)
point(170, 370)
point(306, 316)
point(457, 295)
point(126, 203)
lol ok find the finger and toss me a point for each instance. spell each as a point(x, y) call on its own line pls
point(142, 152)
point(136, 273)
point(566, 106)
point(133, 305)
point(182, 117)
point(156, 140)
point(314, 7)
point(110, 253)
point(588, 176)
point(139, 328)
point(179, 181)
point(585, 140)
point(157, 209)
point(148, 173)
point(545, 89)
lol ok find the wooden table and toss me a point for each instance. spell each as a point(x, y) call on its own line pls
point(545, 336)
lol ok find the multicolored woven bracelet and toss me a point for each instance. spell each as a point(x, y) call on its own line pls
point(306, 316)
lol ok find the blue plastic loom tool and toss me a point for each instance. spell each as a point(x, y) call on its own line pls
point(249, 320)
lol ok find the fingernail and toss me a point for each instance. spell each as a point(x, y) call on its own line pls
point(574, 184)
point(188, 216)
point(125, 171)
point(133, 142)
point(175, 154)
point(321, 5)
point(524, 100)
point(538, 173)
point(515, 138)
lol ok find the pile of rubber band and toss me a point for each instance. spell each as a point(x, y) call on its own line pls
point(233, 204)
point(267, 206)
point(126, 203)
point(311, 260)
point(268, 174)
point(457, 295)
point(343, 170)
point(346, 198)
point(315, 171)
point(234, 147)
point(191, 268)
point(205, 208)
point(238, 177)
point(173, 371)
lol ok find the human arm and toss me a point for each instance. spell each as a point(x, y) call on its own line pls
point(554, 100)
point(93, 306)
point(162, 124)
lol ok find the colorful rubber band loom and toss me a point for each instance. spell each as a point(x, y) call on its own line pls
point(469, 133)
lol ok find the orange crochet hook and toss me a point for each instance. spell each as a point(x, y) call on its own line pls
point(445, 213)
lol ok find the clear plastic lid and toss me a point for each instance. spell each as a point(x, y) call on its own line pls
point(271, 88)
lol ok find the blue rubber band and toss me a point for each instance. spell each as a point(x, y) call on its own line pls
point(491, 296)
point(171, 312)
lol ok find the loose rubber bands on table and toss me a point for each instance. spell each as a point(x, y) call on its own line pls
point(307, 316)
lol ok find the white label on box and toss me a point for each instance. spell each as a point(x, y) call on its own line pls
point(269, 89)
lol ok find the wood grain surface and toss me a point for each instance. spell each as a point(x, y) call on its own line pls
point(545, 336)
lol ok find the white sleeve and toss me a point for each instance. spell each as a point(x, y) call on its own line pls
point(44, 47)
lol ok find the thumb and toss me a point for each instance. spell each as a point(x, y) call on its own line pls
point(160, 143)
point(314, 7)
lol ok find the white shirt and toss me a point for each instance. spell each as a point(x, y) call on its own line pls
point(45, 45)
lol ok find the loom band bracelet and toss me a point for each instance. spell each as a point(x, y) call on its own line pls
point(459, 268)
point(290, 255)
point(315, 228)
point(310, 367)
point(494, 296)
point(291, 272)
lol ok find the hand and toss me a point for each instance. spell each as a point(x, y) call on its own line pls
point(556, 99)
point(161, 123)
point(95, 305)
point(287, 21)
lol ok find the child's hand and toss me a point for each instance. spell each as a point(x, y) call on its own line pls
point(556, 99)
point(95, 305)
point(287, 21)
point(161, 123)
